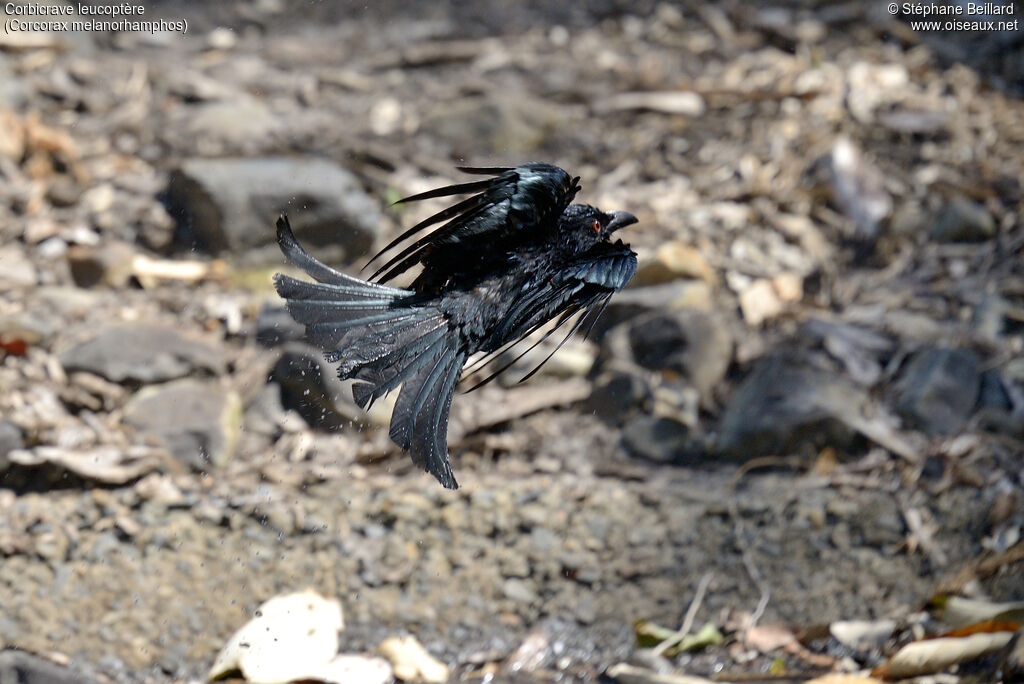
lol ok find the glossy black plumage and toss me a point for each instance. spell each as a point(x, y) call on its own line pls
point(497, 267)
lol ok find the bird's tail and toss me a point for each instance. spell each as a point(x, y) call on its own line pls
point(383, 338)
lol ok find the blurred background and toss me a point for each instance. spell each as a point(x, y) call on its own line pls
point(811, 395)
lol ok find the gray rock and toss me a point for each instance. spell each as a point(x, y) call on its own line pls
point(963, 221)
point(198, 422)
point(230, 205)
point(140, 353)
point(992, 392)
point(237, 125)
point(939, 389)
point(10, 439)
point(26, 668)
point(658, 439)
point(785, 402)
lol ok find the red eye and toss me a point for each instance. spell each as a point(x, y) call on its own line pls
point(597, 226)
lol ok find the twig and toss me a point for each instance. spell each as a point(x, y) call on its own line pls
point(691, 614)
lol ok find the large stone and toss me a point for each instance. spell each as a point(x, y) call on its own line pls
point(198, 422)
point(660, 439)
point(141, 353)
point(230, 205)
point(939, 389)
point(26, 668)
point(240, 125)
point(785, 403)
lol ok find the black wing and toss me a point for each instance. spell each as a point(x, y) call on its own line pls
point(508, 209)
point(583, 285)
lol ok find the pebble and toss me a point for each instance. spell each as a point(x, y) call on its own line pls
point(16, 270)
point(657, 439)
point(939, 389)
point(519, 591)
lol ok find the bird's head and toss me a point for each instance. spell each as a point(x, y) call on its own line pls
point(581, 226)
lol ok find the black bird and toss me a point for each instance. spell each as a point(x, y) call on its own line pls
point(510, 258)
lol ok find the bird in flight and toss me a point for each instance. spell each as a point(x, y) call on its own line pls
point(512, 257)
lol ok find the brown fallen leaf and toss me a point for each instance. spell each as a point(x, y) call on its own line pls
point(986, 627)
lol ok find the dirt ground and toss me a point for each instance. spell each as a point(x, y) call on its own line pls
point(819, 166)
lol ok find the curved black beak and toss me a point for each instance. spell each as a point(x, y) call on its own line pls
point(620, 219)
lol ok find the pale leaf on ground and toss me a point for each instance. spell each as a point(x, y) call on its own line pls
point(291, 637)
point(106, 464)
point(957, 611)
point(631, 674)
point(936, 655)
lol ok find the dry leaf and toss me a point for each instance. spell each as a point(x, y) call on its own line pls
point(957, 611)
point(631, 674)
point(936, 655)
point(106, 464)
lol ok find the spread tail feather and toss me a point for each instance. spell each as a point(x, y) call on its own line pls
point(382, 338)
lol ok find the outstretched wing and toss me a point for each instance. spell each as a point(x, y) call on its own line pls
point(507, 210)
point(582, 286)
